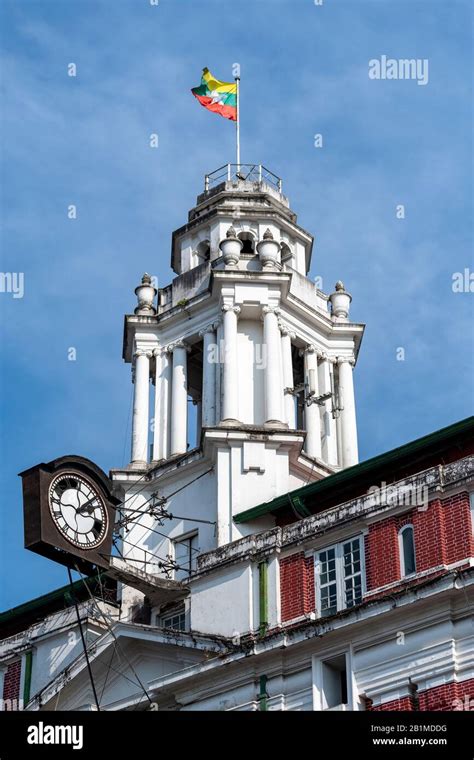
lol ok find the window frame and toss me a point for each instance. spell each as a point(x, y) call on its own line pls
point(178, 611)
point(181, 540)
point(319, 697)
point(401, 550)
point(340, 576)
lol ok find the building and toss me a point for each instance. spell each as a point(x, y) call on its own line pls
point(259, 565)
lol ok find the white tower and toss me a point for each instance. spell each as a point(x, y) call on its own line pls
point(266, 358)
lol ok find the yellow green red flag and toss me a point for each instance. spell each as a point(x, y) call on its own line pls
point(217, 96)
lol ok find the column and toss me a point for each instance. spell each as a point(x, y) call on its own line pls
point(288, 383)
point(198, 405)
point(230, 391)
point(209, 357)
point(329, 442)
point(218, 370)
point(312, 415)
point(273, 368)
point(350, 453)
point(161, 422)
point(179, 399)
point(141, 400)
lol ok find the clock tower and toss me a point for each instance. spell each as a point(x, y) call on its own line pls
point(242, 371)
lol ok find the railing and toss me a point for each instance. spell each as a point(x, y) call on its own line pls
point(244, 173)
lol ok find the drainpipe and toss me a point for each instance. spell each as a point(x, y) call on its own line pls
point(262, 696)
point(27, 680)
point(263, 597)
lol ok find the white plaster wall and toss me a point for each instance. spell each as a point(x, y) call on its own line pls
point(251, 374)
point(53, 654)
point(197, 500)
point(225, 605)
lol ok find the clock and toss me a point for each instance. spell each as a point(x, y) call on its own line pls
point(69, 510)
point(78, 510)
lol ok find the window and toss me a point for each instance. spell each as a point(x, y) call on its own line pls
point(334, 691)
point(332, 681)
point(406, 543)
point(248, 242)
point(203, 251)
point(339, 576)
point(286, 253)
point(175, 619)
point(185, 553)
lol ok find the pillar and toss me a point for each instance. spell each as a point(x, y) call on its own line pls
point(288, 383)
point(273, 366)
point(209, 359)
point(329, 443)
point(141, 400)
point(312, 415)
point(230, 391)
point(161, 422)
point(198, 405)
point(218, 370)
point(350, 453)
point(179, 399)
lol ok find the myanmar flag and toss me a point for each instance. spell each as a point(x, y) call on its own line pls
point(220, 97)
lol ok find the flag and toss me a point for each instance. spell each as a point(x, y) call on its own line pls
point(220, 97)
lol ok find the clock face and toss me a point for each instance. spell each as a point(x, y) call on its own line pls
point(78, 510)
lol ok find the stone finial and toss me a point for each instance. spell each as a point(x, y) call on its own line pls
point(340, 301)
point(145, 294)
point(269, 251)
point(231, 247)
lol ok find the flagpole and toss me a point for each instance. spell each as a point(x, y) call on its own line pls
point(237, 122)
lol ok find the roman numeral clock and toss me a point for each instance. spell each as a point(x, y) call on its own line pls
point(69, 512)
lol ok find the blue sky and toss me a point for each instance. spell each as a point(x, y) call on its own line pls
point(85, 141)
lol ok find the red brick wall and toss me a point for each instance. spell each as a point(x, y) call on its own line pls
point(458, 530)
point(11, 684)
point(296, 586)
point(440, 699)
point(382, 564)
point(443, 535)
point(405, 704)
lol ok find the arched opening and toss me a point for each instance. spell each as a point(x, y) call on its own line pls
point(203, 251)
point(286, 253)
point(406, 541)
point(248, 242)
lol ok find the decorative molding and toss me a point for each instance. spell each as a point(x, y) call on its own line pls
point(178, 344)
point(309, 349)
point(209, 329)
point(271, 310)
point(286, 330)
point(345, 359)
point(228, 307)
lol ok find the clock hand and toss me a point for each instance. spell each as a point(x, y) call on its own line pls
point(86, 506)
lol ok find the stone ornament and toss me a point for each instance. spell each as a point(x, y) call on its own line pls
point(340, 301)
point(231, 248)
point(145, 293)
point(269, 251)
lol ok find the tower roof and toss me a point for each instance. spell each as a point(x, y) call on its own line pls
point(244, 191)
